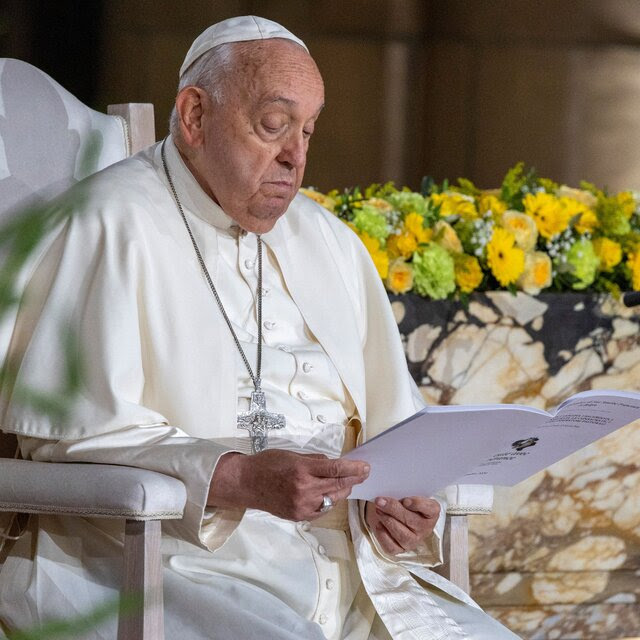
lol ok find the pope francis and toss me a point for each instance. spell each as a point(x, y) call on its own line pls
point(235, 335)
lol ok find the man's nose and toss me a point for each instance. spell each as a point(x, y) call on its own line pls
point(294, 151)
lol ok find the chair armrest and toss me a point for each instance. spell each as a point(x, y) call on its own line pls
point(469, 499)
point(89, 490)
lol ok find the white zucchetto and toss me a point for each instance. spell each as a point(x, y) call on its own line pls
point(238, 29)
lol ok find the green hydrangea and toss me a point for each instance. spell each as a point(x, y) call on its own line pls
point(613, 222)
point(371, 221)
point(407, 202)
point(583, 263)
point(433, 272)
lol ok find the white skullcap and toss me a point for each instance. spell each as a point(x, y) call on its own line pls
point(237, 29)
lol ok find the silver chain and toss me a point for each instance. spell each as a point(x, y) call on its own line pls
point(255, 378)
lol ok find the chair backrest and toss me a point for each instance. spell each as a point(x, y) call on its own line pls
point(48, 138)
point(48, 141)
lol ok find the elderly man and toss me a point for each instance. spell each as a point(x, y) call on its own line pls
point(235, 335)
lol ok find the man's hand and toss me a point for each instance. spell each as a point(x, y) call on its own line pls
point(288, 485)
point(401, 525)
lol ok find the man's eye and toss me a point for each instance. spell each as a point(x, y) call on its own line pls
point(272, 126)
point(307, 133)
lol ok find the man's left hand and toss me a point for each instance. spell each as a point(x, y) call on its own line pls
point(401, 525)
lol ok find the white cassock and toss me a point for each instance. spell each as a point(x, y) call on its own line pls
point(163, 383)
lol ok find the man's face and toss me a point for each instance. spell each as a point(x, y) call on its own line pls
point(255, 144)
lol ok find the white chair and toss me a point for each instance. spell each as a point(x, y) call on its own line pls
point(43, 150)
point(48, 141)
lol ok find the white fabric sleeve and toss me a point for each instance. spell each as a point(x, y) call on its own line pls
point(159, 448)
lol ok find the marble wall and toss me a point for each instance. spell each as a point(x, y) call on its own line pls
point(560, 555)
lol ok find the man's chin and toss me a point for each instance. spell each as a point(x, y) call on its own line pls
point(263, 215)
point(263, 222)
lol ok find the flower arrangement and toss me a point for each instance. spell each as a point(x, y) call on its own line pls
point(531, 235)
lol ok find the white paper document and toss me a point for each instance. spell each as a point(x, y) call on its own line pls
point(485, 444)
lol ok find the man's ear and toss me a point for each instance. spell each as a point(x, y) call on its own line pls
point(190, 105)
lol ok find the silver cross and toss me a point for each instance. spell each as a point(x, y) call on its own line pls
point(257, 421)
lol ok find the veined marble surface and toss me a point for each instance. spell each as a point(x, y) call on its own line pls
point(560, 555)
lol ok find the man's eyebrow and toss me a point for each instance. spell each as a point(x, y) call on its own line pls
point(286, 101)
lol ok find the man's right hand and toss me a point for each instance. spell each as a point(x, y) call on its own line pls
point(288, 485)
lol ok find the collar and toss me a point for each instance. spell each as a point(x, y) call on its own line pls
point(192, 195)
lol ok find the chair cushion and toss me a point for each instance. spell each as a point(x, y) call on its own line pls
point(90, 490)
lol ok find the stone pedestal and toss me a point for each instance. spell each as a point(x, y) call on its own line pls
point(560, 556)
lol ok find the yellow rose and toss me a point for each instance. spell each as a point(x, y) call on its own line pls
point(609, 252)
point(550, 216)
point(584, 217)
point(588, 222)
point(455, 203)
point(468, 272)
point(523, 228)
point(537, 274)
point(381, 262)
point(381, 205)
point(379, 256)
point(407, 244)
point(585, 197)
point(414, 223)
point(400, 276)
point(372, 244)
point(489, 201)
point(445, 236)
point(402, 245)
point(320, 198)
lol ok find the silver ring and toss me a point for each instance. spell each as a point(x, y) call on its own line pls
point(327, 503)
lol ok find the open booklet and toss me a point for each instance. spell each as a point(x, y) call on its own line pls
point(485, 444)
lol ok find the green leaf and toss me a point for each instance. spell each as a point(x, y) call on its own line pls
point(427, 186)
point(80, 625)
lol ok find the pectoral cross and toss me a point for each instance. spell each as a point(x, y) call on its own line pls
point(257, 421)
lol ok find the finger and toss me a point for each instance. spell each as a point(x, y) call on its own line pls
point(402, 535)
point(426, 507)
point(394, 509)
point(339, 468)
point(386, 540)
point(338, 485)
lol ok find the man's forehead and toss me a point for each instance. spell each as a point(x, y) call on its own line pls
point(276, 72)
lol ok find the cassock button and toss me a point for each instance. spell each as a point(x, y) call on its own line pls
point(248, 263)
point(323, 618)
point(307, 366)
point(330, 583)
point(321, 550)
point(302, 395)
point(321, 418)
point(306, 526)
point(283, 347)
point(269, 324)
